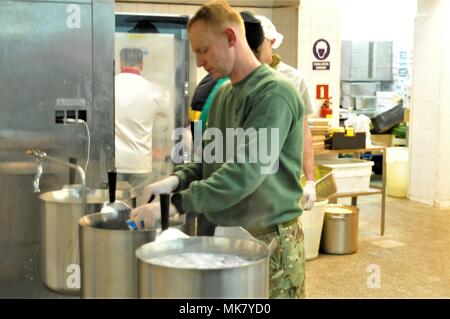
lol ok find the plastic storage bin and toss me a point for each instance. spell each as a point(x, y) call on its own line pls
point(365, 102)
point(351, 175)
point(312, 223)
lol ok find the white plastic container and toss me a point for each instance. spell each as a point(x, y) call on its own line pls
point(365, 102)
point(351, 174)
point(397, 178)
point(312, 223)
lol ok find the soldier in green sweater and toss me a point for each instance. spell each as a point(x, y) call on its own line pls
point(258, 109)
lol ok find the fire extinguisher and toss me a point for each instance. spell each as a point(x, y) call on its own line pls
point(325, 109)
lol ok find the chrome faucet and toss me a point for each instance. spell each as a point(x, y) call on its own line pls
point(42, 156)
point(37, 178)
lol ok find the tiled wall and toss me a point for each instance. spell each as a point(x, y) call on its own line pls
point(320, 19)
point(286, 22)
point(430, 114)
point(301, 27)
point(183, 10)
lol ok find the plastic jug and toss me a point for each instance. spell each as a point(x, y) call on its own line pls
point(397, 178)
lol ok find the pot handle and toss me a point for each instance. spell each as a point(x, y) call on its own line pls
point(164, 201)
point(272, 246)
point(112, 178)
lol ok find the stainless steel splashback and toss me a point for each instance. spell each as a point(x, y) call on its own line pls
point(57, 62)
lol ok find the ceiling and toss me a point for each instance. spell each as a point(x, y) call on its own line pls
point(240, 3)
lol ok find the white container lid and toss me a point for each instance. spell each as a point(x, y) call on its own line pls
point(345, 162)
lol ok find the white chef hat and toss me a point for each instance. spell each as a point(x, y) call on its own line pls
point(270, 32)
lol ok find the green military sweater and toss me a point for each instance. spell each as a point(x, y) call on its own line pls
point(249, 191)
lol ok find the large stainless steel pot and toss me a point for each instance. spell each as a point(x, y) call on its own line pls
point(61, 211)
point(340, 230)
point(107, 254)
point(247, 281)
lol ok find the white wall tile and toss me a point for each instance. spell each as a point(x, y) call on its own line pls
point(304, 16)
point(427, 58)
point(267, 12)
point(445, 95)
point(318, 31)
point(444, 132)
point(128, 7)
point(426, 7)
point(329, 15)
point(177, 9)
point(444, 194)
point(145, 8)
point(428, 30)
point(427, 87)
point(289, 15)
point(426, 121)
point(420, 108)
point(161, 9)
point(444, 178)
point(191, 9)
point(277, 15)
point(304, 33)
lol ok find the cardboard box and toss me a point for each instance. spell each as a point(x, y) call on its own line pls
point(383, 139)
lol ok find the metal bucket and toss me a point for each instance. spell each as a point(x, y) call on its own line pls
point(61, 211)
point(247, 281)
point(340, 230)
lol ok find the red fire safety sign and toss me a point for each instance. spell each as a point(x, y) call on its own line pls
point(322, 91)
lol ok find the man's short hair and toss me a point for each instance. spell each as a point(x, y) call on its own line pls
point(217, 14)
point(131, 56)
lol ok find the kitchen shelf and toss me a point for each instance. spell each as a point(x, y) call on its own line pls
point(373, 190)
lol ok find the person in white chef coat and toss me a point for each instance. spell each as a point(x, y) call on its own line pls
point(137, 103)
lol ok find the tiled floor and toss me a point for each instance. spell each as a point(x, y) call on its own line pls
point(412, 259)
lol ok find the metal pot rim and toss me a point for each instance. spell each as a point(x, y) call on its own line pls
point(262, 252)
point(74, 196)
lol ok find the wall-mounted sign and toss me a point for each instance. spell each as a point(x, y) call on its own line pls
point(321, 51)
point(322, 91)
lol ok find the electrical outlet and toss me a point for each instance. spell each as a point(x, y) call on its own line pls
point(82, 115)
point(59, 116)
point(71, 114)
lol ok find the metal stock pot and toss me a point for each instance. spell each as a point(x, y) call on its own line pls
point(251, 280)
point(61, 211)
point(107, 254)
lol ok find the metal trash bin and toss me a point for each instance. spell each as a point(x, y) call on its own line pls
point(340, 230)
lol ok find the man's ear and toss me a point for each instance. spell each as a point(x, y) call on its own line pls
point(230, 34)
point(272, 42)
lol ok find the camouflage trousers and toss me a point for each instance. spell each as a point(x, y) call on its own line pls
point(287, 263)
